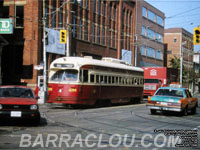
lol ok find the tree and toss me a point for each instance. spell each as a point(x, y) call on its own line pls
point(175, 62)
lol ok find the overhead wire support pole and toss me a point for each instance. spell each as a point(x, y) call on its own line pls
point(44, 57)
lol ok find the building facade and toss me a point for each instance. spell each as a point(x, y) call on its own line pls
point(149, 35)
point(96, 28)
point(180, 44)
point(177, 40)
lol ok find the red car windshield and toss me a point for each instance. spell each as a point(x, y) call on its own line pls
point(16, 92)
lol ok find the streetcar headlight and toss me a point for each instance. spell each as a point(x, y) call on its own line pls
point(34, 107)
point(1, 106)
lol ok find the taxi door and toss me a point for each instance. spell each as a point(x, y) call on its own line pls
point(190, 99)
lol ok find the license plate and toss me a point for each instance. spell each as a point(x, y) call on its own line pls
point(16, 114)
point(163, 103)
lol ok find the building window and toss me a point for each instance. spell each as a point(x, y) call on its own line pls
point(159, 37)
point(143, 50)
point(19, 13)
point(151, 16)
point(60, 24)
point(46, 13)
point(87, 4)
point(98, 34)
point(159, 54)
point(103, 36)
point(159, 20)
point(86, 30)
point(74, 27)
point(94, 6)
point(53, 15)
point(110, 11)
point(99, 6)
point(144, 30)
point(151, 33)
point(104, 8)
point(150, 52)
point(93, 33)
point(114, 12)
point(80, 29)
point(175, 40)
point(144, 12)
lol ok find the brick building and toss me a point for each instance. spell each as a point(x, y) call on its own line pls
point(177, 38)
point(23, 47)
point(95, 27)
point(149, 34)
point(180, 42)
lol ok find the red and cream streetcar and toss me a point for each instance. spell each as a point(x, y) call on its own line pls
point(87, 81)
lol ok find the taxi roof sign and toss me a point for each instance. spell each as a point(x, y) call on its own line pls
point(175, 85)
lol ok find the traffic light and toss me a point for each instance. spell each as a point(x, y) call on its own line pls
point(196, 36)
point(63, 36)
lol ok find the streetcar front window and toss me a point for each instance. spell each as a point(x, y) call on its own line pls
point(65, 75)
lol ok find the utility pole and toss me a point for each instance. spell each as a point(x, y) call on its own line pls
point(44, 58)
point(181, 64)
point(135, 44)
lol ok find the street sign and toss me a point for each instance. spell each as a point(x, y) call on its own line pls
point(6, 26)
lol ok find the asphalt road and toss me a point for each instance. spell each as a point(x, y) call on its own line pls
point(125, 127)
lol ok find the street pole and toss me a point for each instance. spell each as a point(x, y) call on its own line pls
point(135, 50)
point(181, 66)
point(44, 58)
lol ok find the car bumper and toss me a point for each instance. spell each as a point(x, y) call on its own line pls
point(8, 114)
point(165, 108)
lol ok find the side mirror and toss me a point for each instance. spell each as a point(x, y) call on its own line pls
point(37, 97)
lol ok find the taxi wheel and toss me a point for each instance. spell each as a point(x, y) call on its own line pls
point(184, 112)
point(193, 111)
point(153, 111)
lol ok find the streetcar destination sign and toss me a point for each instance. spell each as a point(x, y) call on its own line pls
point(6, 26)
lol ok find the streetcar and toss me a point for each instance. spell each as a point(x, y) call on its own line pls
point(88, 81)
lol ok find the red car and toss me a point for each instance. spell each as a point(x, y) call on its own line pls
point(18, 102)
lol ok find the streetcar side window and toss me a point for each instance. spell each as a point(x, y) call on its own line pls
point(97, 78)
point(120, 80)
point(105, 79)
point(113, 80)
point(138, 81)
point(101, 79)
point(85, 75)
point(92, 78)
point(135, 81)
point(109, 79)
point(117, 80)
point(141, 81)
point(81, 75)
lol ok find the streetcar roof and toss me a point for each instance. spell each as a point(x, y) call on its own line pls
point(81, 61)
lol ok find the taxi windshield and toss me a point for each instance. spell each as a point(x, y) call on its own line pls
point(65, 75)
point(169, 92)
point(16, 92)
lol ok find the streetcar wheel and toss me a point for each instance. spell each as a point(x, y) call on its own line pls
point(153, 111)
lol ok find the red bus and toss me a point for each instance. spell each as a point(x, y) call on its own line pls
point(87, 81)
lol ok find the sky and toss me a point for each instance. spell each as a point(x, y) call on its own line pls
point(180, 13)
